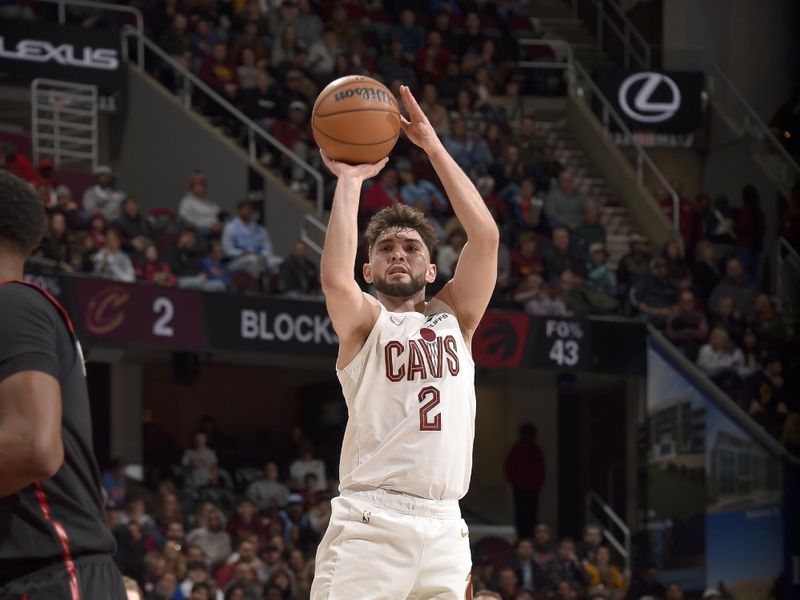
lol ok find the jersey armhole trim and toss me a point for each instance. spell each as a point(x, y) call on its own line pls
point(348, 368)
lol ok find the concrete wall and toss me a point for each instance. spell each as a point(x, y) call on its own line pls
point(754, 42)
point(641, 206)
point(161, 143)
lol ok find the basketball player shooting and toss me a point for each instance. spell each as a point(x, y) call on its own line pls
point(408, 379)
point(54, 539)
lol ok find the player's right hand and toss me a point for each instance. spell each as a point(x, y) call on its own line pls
point(362, 172)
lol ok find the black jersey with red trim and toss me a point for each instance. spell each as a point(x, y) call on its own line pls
point(60, 518)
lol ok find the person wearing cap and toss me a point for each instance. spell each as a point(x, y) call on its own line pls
point(102, 197)
point(598, 275)
point(66, 206)
point(197, 209)
point(295, 517)
point(654, 296)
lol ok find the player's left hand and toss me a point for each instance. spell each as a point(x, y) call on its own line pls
point(417, 127)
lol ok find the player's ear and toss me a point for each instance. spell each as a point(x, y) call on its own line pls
point(430, 274)
point(366, 271)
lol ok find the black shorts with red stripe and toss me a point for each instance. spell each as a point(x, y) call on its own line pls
point(96, 576)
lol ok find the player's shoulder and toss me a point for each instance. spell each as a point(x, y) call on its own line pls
point(19, 300)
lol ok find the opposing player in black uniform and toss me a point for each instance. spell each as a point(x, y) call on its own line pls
point(54, 540)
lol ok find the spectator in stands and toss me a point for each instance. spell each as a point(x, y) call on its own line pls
point(304, 464)
point(598, 275)
point(526, 207)
point(154, 270)
point(646, 583)
point(420, 193)
point(247, 71)
point(246, 521)
point(245, 555)
point(726, 317)
point(509, 170)
point(687, 326)
point(166, 587)
point(200, 463)
point(436, 112)
point(295, 134)
point(197, 209)
point(589, 231)
point(176, 40)
point(247, 244)
point(673, 592)
point(410, 35)
point(767, 324)
point(471, 153)
point(531, 145)
point(111, 262)
point(186, 263)
point(525, 259)
point(66, 206)
point(567, 567)
point(750, 229)
point(719, 358)
point(592, 538)
point(564, 205)
point(677, 268)
point(602, 573)
point(250, 39)
point(507, 583)
point(214, 267)
point(432, 60)
point(297, 526)
point(560, 256)
point(736, 287)
point(530, 574)
point(212, 537)
point(654, 296)
point(55, 244)
point(114, 482)
point(525, 471)
point(382, 193)
point(135, 228)
point(635, 265)
point(322, 55)
point(543, 546)
point(196, 573)
point(261, 102)
point(448, 254)
point(268, 492)
point(766, 401)
point(705, 274)
point(102, 197)
point(218, 72)
point(17, 163)
point(535, 297)
point(297, 274)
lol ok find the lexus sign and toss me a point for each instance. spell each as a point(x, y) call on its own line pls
point(31, 49)
point(651, 100)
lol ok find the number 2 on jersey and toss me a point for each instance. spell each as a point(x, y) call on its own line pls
point(431, 394)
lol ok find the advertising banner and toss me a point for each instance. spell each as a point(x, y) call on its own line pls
point(669, 101)
point(32, 49)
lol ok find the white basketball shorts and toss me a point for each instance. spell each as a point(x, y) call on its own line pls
point(388, 546)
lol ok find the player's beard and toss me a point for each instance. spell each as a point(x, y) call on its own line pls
point(400, 289)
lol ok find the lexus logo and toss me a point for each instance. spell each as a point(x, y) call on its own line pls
point(636, 97)
point(42, 51)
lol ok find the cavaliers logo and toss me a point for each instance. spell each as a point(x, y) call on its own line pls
point(106, 312)
point(427, 334)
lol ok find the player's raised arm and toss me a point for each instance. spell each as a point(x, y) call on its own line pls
point(469, 291)
point(352, 312)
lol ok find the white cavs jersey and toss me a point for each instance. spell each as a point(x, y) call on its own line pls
point(410, 396)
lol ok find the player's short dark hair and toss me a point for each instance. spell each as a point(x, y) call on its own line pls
point(401, 216)
point(22, 218)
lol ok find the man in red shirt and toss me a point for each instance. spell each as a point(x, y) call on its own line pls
point(525, 472)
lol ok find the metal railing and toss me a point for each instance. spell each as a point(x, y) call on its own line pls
point(584, 82)
point(788, 276)
point(725, 94)
point(191, 83)
point(312, 224)
point(610, 16)
point(565, 61)
point(64, 121)
point(612, 526)
point(100, 6)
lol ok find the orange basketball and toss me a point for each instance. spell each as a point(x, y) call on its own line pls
point(356, 120)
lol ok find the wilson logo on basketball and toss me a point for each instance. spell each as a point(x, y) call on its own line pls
point(366, 93)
